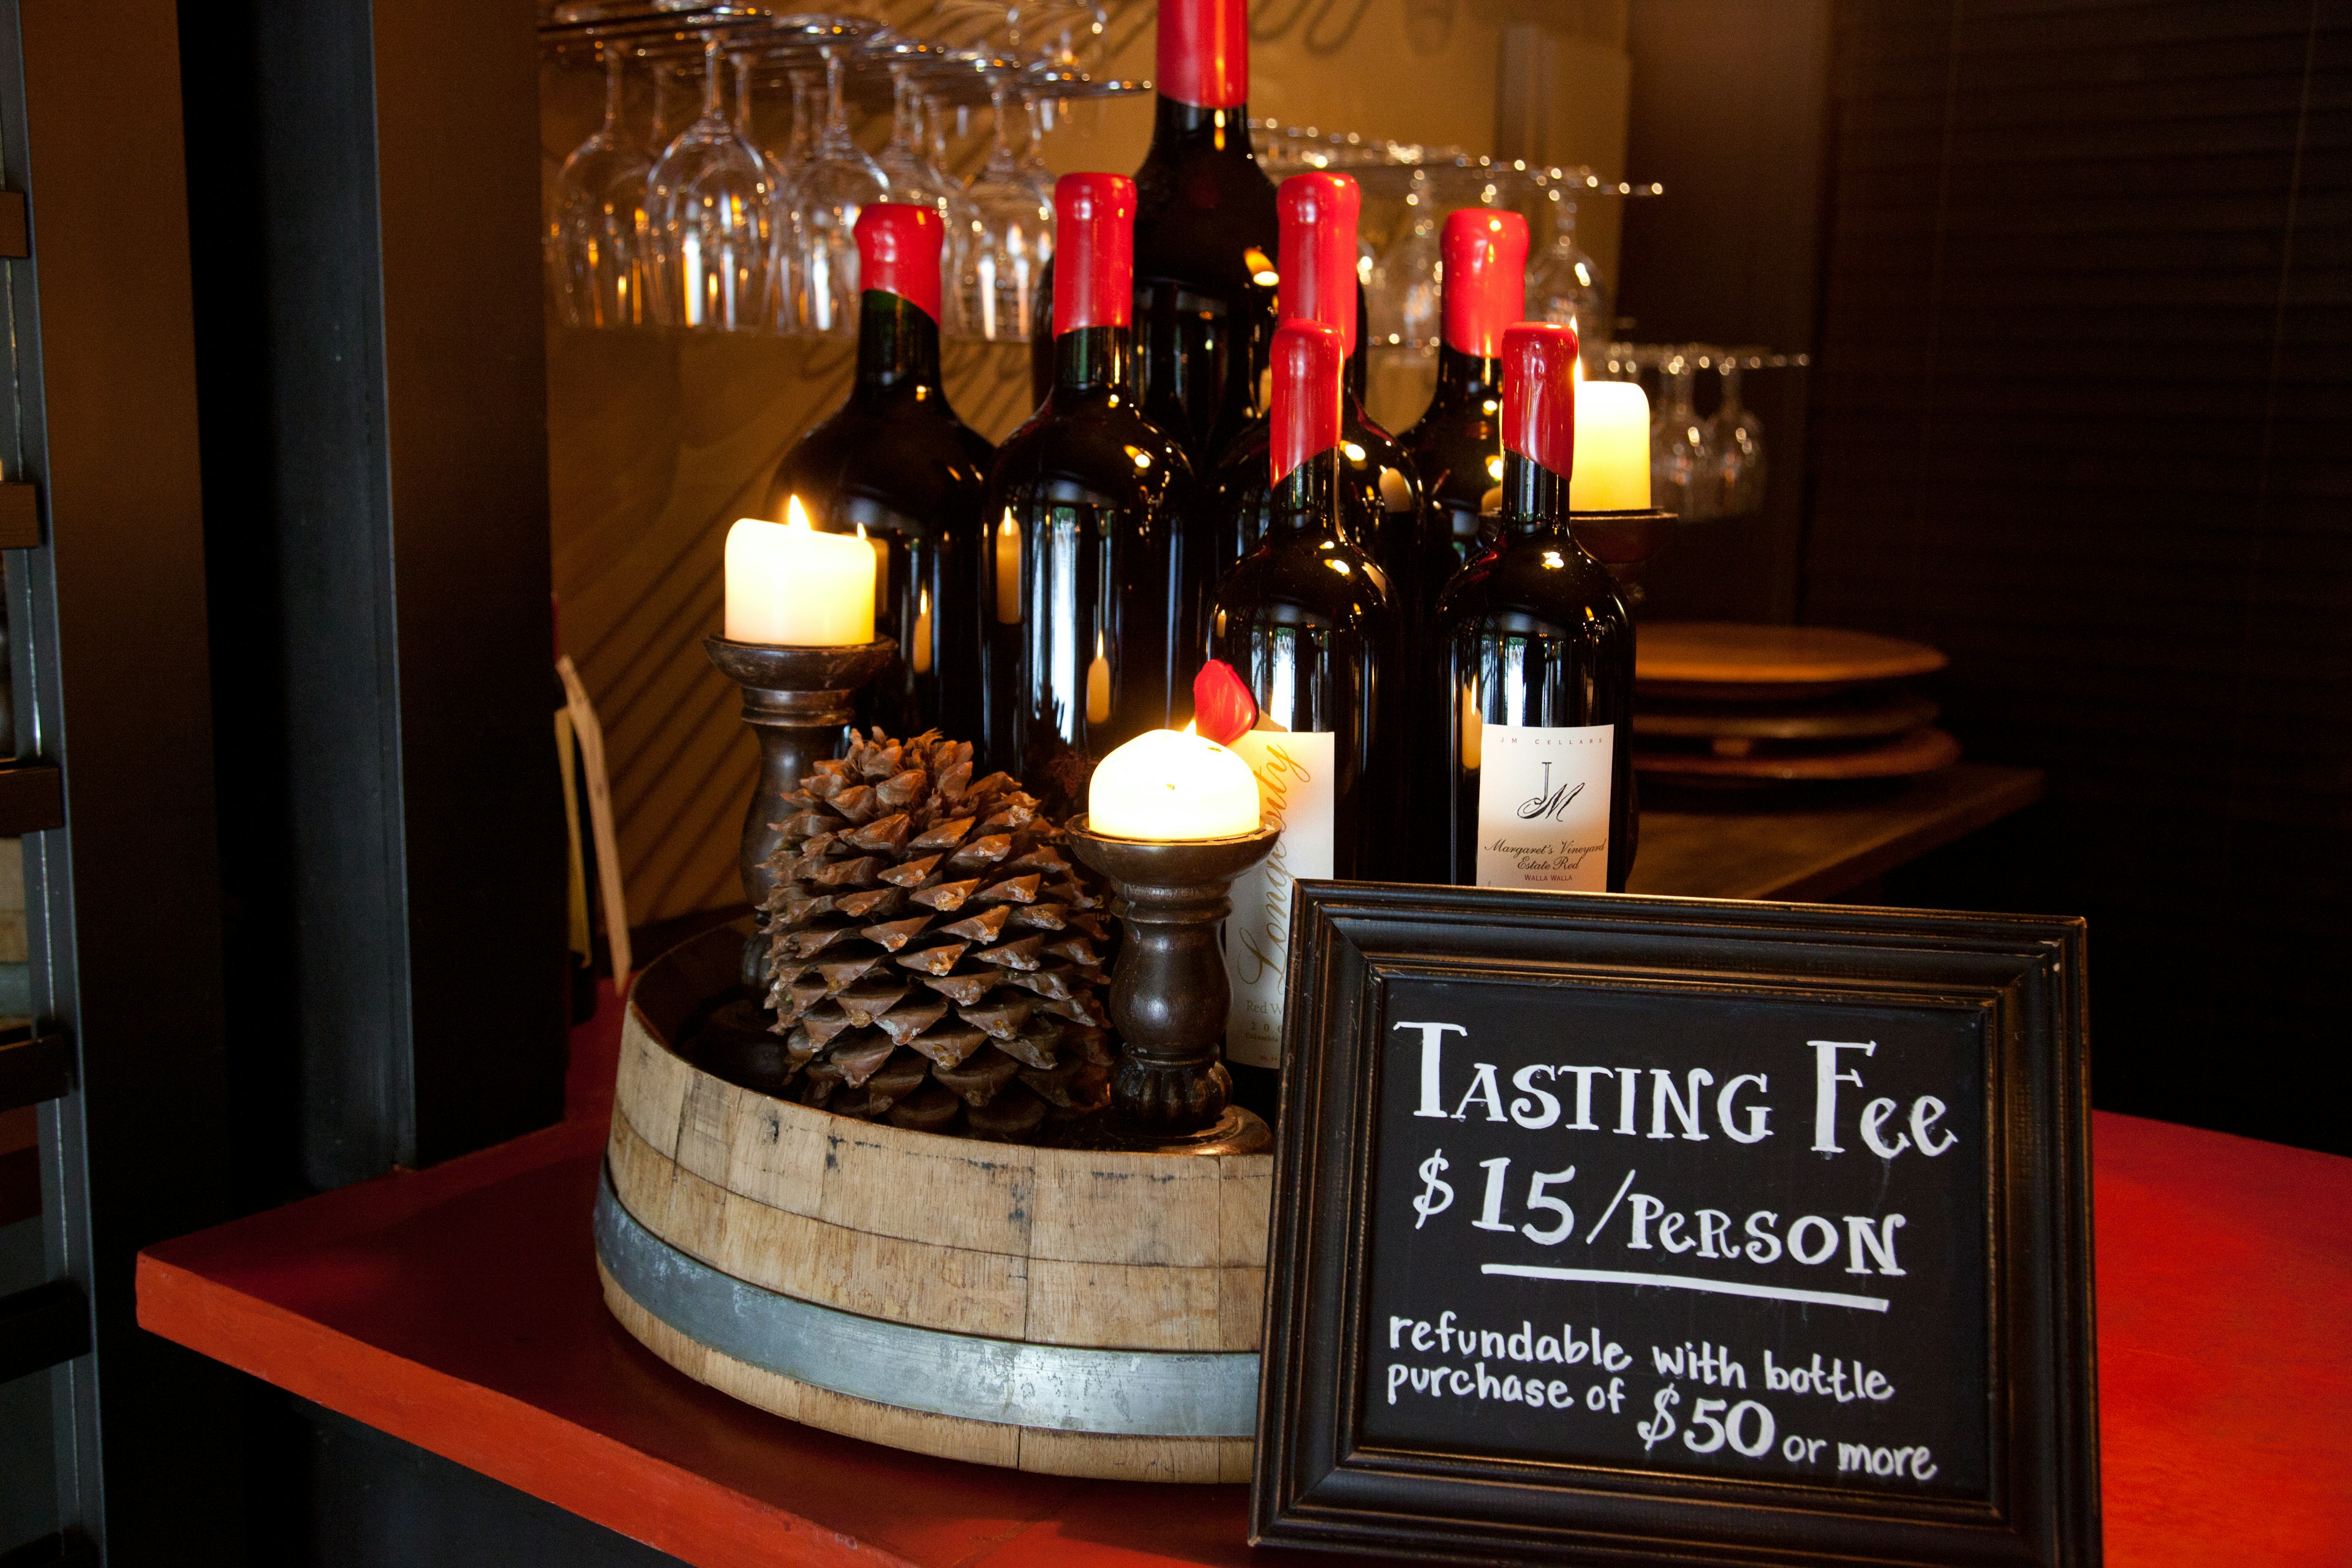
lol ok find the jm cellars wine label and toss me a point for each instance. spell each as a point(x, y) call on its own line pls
point(1543, 806)
point(1296, 773)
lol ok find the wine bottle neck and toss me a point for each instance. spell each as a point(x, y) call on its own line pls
point(1465, 380)
point(1535, 499)
point(897, 343)
point(1188, 131)
point(1307, 498)
point(1092, 358)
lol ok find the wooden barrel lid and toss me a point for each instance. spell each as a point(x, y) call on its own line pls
point(1731, 661)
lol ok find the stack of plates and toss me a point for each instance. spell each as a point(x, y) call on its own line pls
point(1718, 702)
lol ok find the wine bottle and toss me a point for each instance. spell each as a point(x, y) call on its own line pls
point(1539, 663)
point(1205, 237)
point(1305, 619)
point(1457, 446)
point(894, 461)
point(1319, 283)
point(1091, 585)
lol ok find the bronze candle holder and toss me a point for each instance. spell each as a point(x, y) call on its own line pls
point(1169, 994)
point(797, 701)
point(1625, 542)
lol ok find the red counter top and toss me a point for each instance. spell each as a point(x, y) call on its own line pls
point(457, 1309)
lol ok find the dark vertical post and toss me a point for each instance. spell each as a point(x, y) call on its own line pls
point(373, 371)
point(112, 682)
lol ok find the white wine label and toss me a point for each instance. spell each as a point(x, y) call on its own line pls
point(1543, 806)
point(1295, 776)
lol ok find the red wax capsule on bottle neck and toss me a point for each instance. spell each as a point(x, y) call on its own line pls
point(1204, 52)
point(1539, 395)
point(1094, 252)
point(1485, 256)
point(1318, 252)
point(898, 248)
point(1309, 358)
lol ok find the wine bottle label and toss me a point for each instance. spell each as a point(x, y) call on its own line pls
point(1294, 774)
point(1543, 806)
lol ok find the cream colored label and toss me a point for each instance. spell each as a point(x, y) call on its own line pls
point(1295, 777)
point(1543, 806)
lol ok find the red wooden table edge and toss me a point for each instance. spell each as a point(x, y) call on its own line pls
point(607, 1480)
point(577, 1469)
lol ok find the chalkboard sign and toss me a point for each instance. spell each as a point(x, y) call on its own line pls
point(1620, 1230)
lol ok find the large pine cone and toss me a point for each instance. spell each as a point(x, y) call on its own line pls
point(934, 949)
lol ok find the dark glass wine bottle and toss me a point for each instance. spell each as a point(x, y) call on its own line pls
point(1205, 238)
point(1457, 446)
point(1306, 620)
point(1539, 663)
point(1090, 585)
point(894, 461)
point(1319, 283)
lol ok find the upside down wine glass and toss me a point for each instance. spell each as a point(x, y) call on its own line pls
point(599, 195)
point(1684, 476)
point(1564, 286)
point(827, 196)
point(1404, 305)
point(710, 200)
point(1738, 437)
point(1012, 241)
point(916, 178)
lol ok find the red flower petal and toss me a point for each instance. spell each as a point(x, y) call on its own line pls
point(1223, 709)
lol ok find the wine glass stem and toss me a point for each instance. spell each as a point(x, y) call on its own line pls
point(836, 113)
point(1000, 148)
point(743, 97)
point(612, 62)
point(710, 79)
point(907, 114)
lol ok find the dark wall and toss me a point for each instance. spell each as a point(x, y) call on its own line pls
point(1731, 113)
point(2081, 416)
point(2083, 420)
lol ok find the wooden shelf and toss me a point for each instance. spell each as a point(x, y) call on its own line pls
point(1759, 844)
point(457, 1309)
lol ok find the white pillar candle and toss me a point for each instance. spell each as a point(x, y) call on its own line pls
point(1166, 784)
point(1612, 449)
point(789, 585)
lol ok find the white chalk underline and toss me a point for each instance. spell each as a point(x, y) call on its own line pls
point(1675, 1282)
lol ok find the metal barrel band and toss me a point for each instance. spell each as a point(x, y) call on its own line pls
point(1113, 1392)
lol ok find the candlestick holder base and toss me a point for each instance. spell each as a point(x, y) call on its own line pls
point(1169, 994)
point(1625, 542)
point(797, 701)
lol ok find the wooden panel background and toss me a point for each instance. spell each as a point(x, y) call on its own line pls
point(2082, 419)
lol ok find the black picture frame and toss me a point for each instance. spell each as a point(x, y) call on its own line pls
point(1319, 1484)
